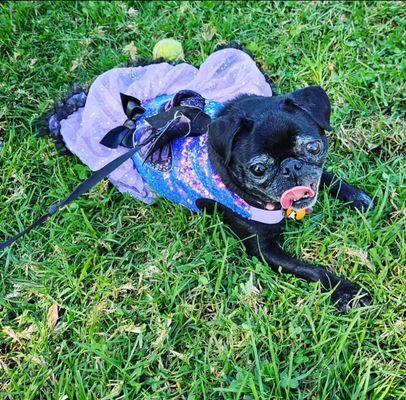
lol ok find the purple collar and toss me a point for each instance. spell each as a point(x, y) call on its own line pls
point(266, 216)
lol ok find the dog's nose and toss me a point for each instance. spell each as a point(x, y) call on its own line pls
point(291, 166)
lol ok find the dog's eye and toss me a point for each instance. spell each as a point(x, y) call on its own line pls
point(314, 147)
point(258, 169)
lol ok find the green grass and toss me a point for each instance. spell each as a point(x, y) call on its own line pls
point(157, 303)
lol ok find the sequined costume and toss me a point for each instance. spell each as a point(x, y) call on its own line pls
point(190, 175)
point(224, 75)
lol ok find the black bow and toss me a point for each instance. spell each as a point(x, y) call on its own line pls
point(178, 122)
point(124, 134)
point(185, 117)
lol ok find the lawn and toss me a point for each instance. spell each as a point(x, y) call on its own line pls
point(116, 300)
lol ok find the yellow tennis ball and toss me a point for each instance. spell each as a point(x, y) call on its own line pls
point(168, 49)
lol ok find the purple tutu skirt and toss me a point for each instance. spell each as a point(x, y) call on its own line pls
point(223, 76)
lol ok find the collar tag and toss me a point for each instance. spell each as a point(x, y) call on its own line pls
point(297, 215)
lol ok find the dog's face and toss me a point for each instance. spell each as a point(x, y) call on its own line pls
point(273, 149)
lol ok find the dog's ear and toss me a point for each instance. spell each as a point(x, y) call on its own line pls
point(314, 101)
point(223, 132)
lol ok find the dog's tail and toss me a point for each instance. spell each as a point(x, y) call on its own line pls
point(50, 124)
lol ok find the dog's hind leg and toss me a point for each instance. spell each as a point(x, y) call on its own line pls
point(345, 192)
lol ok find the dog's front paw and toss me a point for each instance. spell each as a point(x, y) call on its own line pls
point(361, 201)
point(349, 295)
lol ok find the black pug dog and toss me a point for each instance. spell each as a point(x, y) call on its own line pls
point(263, 146)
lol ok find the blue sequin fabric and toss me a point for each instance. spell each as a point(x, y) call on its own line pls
point(188, 174)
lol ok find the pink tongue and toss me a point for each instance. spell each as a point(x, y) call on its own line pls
point(295, 194)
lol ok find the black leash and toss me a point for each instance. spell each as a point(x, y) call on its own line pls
point(84, 187)
point(124, 135)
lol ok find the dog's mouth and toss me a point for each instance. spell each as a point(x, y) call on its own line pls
point(297, 197)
